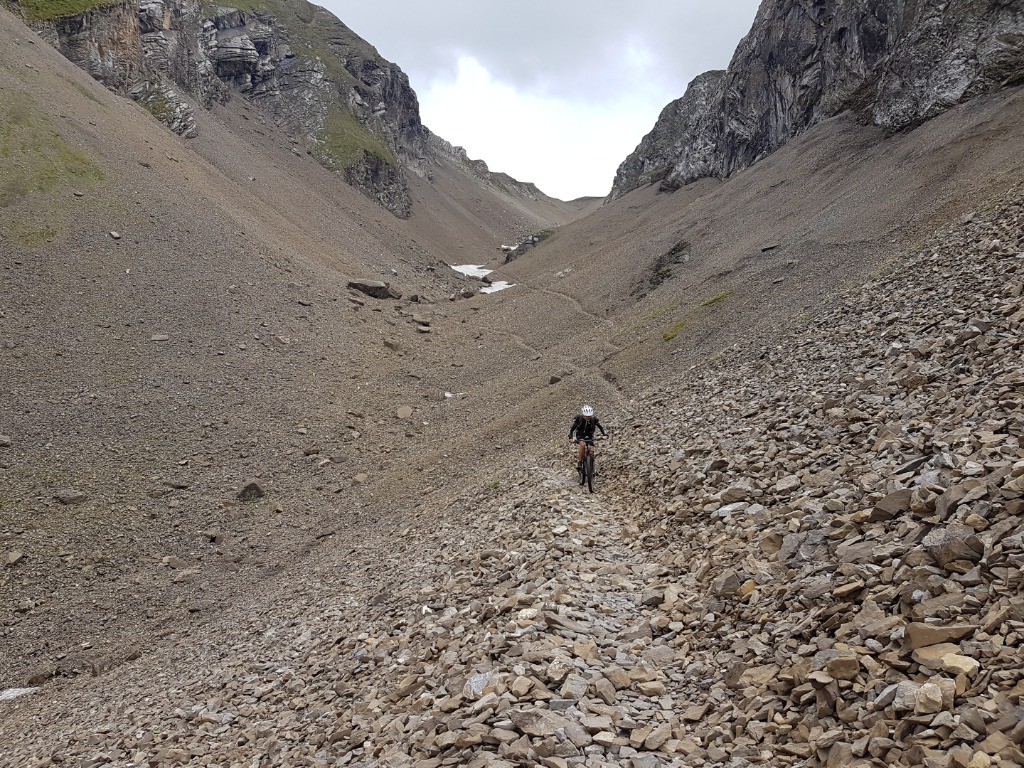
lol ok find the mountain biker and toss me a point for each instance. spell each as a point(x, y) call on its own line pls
point(583, 427)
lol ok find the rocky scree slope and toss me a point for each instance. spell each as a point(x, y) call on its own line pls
point(157, 297)
point(722, 261)
point(895, 63)
point(317, 80)
point(807, 554)
point(844, 513)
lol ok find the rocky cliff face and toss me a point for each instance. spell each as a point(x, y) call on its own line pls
point(895, 63)
point(321, 83)
point(685, 120)
point(478, 168)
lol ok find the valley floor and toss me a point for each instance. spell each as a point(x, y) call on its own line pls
point(803, 553)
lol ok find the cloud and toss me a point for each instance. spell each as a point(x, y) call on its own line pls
point(568, 148)
point(567, 76)
point(560, 46)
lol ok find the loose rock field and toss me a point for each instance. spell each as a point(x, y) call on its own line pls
point(808, 553)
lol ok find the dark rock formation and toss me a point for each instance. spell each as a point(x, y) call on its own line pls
point(528, 244)
point(895, 63)
point(681, 127)
point(376, 289)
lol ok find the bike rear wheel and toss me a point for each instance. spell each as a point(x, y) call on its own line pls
point(590, 473)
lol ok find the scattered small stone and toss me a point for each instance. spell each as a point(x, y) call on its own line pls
point(251, 491)
point(70, 496)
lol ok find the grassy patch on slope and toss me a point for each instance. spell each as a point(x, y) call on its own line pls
point(672, 332)
point(27, 234)
point(715, 299)
point(34, 159)
point(49, 10)
point(344, 142)
point(691, 314)
point(159, 107)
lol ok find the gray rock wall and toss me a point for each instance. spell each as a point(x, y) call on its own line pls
point(174, 55)
point(895, 63)
point(678, 135)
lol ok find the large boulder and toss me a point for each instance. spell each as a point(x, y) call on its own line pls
point(375, 288)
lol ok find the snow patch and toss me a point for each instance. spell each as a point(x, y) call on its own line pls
point(500, 285)
point(472, 270)
point(14, 693)
point(479, 271)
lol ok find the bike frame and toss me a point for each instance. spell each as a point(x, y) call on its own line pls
point(587, 470)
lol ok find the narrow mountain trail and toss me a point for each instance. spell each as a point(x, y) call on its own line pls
point(612, 327)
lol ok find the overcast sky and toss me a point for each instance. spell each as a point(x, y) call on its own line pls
point(557, 92)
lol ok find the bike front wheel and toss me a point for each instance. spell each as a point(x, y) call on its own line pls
point(590, 473)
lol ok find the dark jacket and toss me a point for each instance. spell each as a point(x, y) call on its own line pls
point(585, 429)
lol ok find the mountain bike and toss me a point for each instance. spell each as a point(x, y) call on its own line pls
point(586, 471)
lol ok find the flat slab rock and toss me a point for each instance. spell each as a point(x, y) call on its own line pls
point(920, 635)
point(70, 496)
point(376, 289)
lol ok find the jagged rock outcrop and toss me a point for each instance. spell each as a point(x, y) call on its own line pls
point(318, 80)
point(895, 63)
point(685, 119)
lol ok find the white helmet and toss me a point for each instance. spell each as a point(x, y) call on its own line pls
point(587, 410)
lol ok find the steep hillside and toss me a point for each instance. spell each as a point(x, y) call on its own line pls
point(175, 319)
point(674, 278)
point(315, 81)
point(893, 64)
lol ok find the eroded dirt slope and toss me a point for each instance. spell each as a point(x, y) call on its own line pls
point(176, 320)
